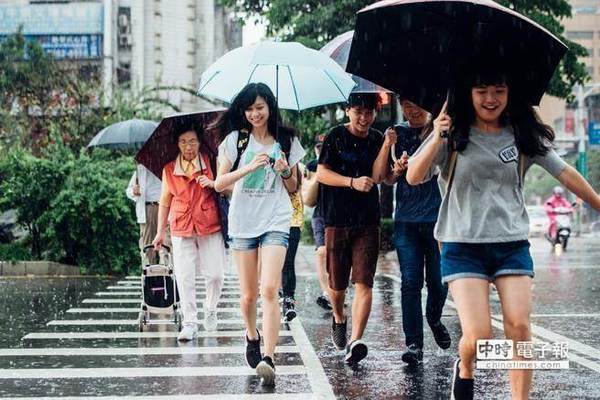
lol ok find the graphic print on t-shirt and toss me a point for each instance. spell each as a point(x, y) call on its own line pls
point(509, 154)
point(262, 181)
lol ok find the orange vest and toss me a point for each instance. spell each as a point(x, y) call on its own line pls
point(194, 209)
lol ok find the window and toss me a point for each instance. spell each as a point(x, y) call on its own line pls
point(580, 34)
point(585, 10)
point(590, 52)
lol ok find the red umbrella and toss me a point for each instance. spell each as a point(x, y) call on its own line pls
point(338, 49)
point(161, 147)
point(420, 48)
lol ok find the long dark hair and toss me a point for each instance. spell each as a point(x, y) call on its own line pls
point(532, 136)
point(235, 119)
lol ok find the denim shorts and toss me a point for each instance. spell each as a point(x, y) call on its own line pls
point(485, 260)
point(272, 238)
point(318, 227)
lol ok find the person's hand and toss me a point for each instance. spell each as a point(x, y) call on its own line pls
point(259, 161)
point(281, 167)
point(158, 241)
point(136, 190)
point(363, 184)
point(390, 138)
point(205, 181)
point(401, 164)
point(443, 122)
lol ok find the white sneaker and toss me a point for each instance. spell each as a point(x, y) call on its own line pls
point(210, 321)
point(189, 332)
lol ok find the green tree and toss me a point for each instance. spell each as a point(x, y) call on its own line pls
point(28, 185)
point(315, 22)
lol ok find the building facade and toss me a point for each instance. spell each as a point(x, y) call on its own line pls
point(131, 43)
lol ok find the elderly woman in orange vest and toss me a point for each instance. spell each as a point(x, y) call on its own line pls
point(189, 203)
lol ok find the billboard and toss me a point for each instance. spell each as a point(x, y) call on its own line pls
point(67, 31)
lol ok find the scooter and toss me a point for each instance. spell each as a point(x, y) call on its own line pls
point(563, 229)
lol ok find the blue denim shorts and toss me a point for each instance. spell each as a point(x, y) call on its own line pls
point(485, 260)
point(273, 238)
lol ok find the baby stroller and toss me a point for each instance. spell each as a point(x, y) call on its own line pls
point(159, 293)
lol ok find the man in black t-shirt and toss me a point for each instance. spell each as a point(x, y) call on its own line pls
point(349, 205)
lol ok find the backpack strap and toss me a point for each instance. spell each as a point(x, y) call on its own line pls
point(242, 144)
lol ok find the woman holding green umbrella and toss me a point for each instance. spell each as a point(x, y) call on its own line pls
point(261, 170)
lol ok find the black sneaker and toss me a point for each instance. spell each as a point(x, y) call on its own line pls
point(288, 309)
point(413, 355)
point(266, 370)
point(441, 335)
point(253, 356)
point(462, 389)
point(324, 302)
point(356, 351)
point(338, 334)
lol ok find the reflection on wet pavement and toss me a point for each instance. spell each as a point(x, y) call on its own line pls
point(87, 359)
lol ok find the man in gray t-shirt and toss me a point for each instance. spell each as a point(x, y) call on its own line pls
point(479, 197)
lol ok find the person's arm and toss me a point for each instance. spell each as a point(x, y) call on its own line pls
point(380, 166)
point(129, 192)
point(328, 177)
point(226, 179)
point(579, 186)
point(420, 164)
point(163, 213)
point(291, 183)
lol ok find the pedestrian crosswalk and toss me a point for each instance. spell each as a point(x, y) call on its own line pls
point(96, 351)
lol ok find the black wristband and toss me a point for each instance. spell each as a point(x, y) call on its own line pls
point(351, 180)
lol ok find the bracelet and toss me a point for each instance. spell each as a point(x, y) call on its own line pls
point(351, 180)
point(287, 176)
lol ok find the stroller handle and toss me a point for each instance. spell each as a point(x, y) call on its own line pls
point(150, 246)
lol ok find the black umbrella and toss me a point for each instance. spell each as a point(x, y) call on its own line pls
point(422, 48)
point(124, 135)
point(161, 148)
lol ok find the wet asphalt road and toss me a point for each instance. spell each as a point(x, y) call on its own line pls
point(100, 353)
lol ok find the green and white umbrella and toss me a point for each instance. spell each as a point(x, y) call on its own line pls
point(300, 77)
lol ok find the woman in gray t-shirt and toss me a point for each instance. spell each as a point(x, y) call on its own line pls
point(482, 224)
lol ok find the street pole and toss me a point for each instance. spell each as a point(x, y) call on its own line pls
point(582, 161)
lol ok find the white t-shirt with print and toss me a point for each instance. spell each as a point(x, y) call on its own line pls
point(260, 202)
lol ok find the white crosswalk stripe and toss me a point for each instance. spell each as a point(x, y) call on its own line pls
point(112, 309)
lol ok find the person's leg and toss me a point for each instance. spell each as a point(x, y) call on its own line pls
point(361, 309)
point(185, 254)
point(246, 261)
point(318, 226)
point(437, 291)
point(150, 228)
point(270, 281)
point(339, 263)
point(471, 297)
point(515, 298)
point(211, 251)
point(321, 257)
point(410, 256)
point(288, 276)
point(143, 255)
point(365, 251)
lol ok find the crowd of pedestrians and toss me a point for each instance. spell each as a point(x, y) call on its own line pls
point(460, 221)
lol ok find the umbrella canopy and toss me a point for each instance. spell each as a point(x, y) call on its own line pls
point(125, 135)
point(420, 48)
point(161, 148)
point(300, 77)
point(339, 50)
